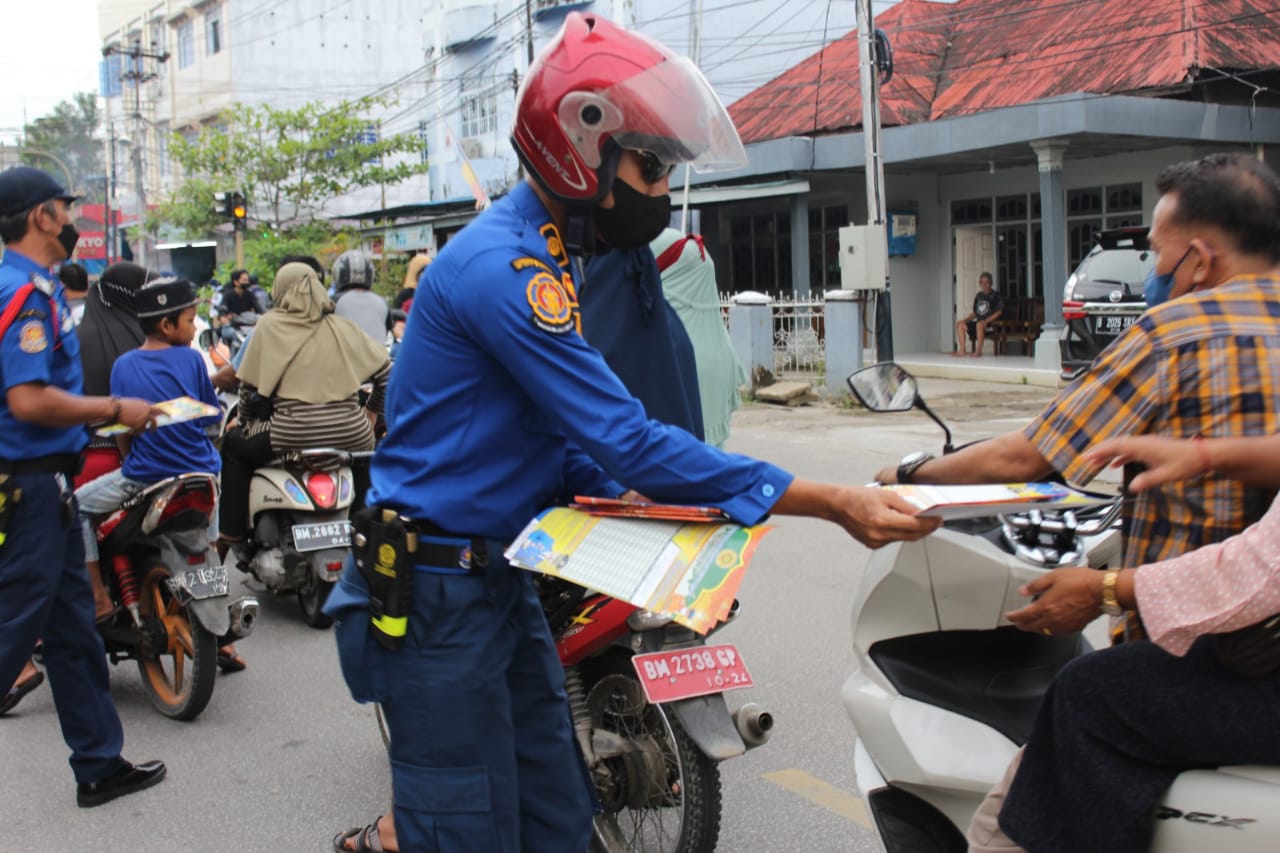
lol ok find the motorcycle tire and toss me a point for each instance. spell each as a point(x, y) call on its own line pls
point(663, 794)
point(311, 598)
point(179, 669)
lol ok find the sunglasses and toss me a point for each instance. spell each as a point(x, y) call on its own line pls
point(652, 167)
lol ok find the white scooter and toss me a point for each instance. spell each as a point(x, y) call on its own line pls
point(298, 512)
point(945, 689)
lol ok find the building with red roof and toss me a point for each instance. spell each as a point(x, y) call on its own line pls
point(991, 104)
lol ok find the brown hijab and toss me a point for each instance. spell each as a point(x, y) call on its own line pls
point(301, 351)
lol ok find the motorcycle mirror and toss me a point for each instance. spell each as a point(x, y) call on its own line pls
point(884, 387)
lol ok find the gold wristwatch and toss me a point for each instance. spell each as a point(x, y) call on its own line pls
point(1110, 604)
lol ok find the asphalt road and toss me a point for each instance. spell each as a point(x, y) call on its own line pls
point(282, 758)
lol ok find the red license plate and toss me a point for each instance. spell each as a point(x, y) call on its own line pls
point(683, 673)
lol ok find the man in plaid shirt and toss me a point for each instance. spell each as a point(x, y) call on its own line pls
point(1205, 363)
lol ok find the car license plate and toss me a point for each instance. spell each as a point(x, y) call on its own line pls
point(684, 673)
point(316, 537)
point(1113, 324)
point(207, 582)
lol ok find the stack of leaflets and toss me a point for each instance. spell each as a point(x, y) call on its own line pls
point(949, 502)
point(175, 411)
point(673, 561)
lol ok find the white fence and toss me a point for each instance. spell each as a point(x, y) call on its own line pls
point(799, 339)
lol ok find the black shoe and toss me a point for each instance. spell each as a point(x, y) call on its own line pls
point(128, 779)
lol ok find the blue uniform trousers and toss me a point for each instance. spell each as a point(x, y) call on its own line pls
point(482, 751)
point(45, 593)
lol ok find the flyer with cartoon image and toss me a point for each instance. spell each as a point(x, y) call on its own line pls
point(688, 571)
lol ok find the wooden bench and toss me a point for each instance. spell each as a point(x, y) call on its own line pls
point(1020, 321)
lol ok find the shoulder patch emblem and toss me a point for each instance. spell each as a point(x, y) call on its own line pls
point(553, 309)
point(31, 338)
point(555, 246)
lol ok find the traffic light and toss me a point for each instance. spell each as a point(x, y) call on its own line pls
point(239, 212)
point(222, 204)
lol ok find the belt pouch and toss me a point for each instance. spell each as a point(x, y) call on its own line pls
point(384, 545)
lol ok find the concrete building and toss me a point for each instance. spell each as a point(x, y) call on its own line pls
point(1013, 132)
point(453, 65)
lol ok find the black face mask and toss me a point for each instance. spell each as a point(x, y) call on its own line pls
point(68, 237)
point(634, 220)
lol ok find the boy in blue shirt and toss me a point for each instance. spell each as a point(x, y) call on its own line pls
point(164, 367)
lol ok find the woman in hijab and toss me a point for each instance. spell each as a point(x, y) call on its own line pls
point(109, 329)
point(310, 364)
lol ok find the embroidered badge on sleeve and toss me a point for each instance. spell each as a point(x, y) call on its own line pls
point(553, 309)
point(31, 337)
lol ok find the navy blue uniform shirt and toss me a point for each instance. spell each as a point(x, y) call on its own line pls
point(39, 346)
point(498, 408)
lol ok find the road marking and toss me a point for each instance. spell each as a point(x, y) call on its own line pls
point(823, 794)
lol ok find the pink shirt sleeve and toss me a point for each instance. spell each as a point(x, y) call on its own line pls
point(1215, 589)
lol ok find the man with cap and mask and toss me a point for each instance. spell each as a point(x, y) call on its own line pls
point(517, 412)
point(44, 592)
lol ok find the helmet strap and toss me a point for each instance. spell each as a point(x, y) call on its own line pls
point(580, 232)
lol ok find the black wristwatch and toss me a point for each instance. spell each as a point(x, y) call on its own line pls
point(910, 463)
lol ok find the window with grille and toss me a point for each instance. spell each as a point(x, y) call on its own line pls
point(186, 44)
point(479, 100)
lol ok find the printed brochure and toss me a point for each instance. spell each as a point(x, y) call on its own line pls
point(950, 502)
point(174, 411)
point(686, 570)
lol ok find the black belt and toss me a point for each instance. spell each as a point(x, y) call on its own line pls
point(58, 463)
point(455, 557)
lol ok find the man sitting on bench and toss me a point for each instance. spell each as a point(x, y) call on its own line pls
point(988, 305)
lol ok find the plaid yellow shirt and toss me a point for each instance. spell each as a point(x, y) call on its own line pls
point(1205, 364)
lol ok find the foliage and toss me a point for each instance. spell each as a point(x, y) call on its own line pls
point(69, 133)
point(290, 163)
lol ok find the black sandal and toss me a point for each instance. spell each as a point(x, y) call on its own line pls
point(22, 688)
point(366, 838)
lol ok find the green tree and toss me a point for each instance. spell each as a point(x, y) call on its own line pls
point(69, 133)
point(289, 163)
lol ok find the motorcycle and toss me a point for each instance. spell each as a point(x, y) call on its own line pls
point(298, 513)
point(650, 718)
point(172, 610)
point(945, 690)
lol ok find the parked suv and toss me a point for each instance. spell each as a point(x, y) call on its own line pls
point(1103, 297)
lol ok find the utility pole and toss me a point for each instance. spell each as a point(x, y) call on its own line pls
point(874, 167)
point(135, 75)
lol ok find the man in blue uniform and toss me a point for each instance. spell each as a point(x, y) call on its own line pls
point(44, 589)
point(514, 412)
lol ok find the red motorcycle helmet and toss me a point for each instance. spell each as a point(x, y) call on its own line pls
point(597, 89)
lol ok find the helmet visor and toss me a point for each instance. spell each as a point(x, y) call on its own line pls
point(668, 110)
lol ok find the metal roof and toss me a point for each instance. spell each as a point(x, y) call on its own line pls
point(972, 56)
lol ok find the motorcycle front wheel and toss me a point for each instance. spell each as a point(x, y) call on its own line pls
point(178, 658)
point(659, 792)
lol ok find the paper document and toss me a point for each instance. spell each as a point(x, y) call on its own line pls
point(175, 411)
point(688, 571)
point(976, 501)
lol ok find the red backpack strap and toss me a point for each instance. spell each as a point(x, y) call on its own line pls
point(14, 307)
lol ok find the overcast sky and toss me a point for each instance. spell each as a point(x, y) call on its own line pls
point(51, 51)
